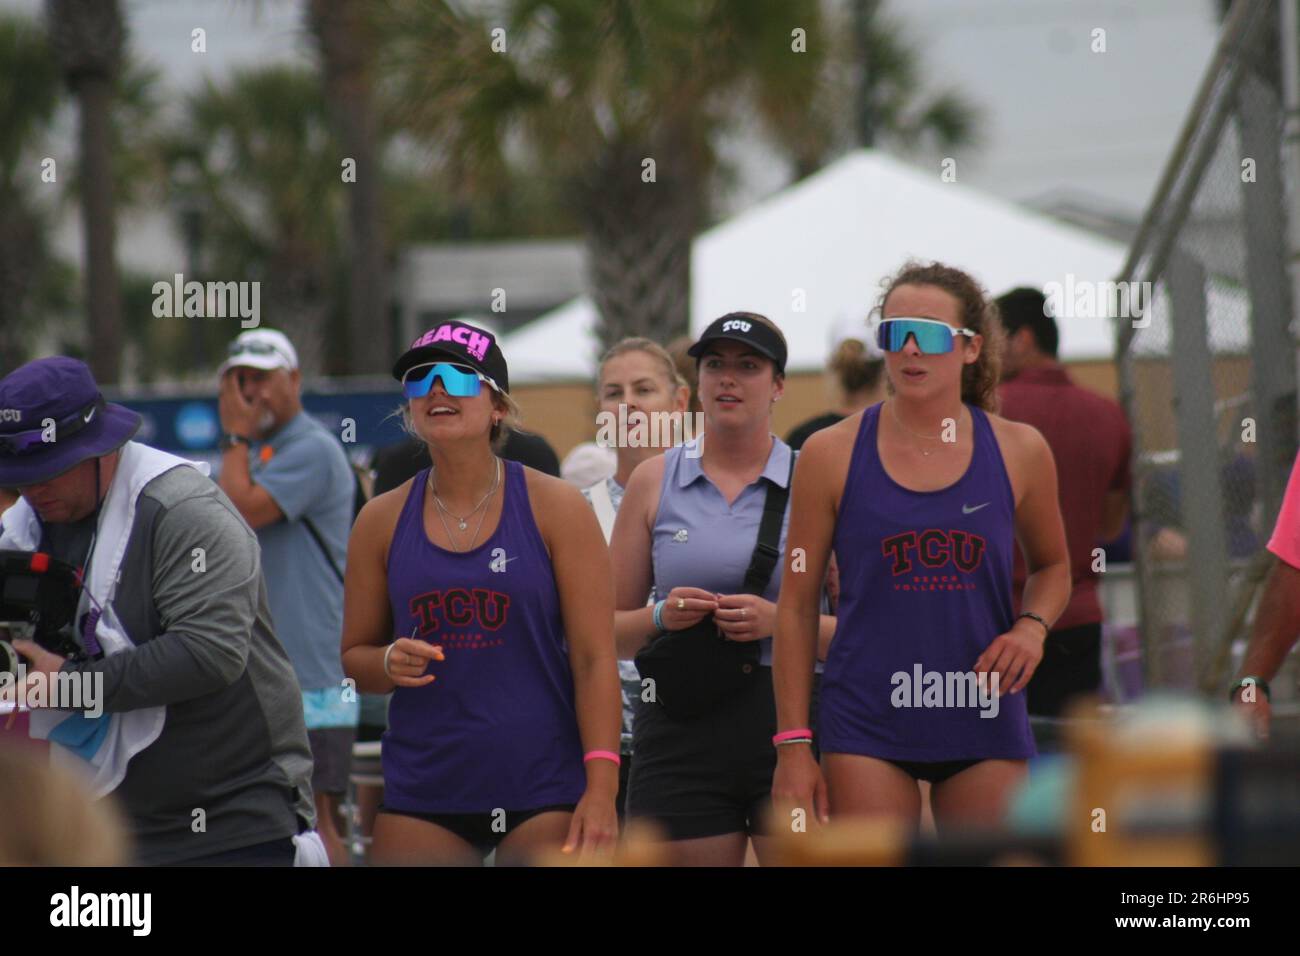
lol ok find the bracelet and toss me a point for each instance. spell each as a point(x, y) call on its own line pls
point(794, 740)
point(386, 653)
point(1034, 617)
point(603, 755)
point(659, 615)
point(1234, 694)
point(801, 735)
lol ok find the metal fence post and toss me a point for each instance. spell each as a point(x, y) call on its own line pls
point(1272, 351)
point(1200, 474)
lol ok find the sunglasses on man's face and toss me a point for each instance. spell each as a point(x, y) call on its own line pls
point(932, 336)
point(460, 381)
point(252, 348)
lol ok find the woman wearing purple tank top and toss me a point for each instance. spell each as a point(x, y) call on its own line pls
point(922, 499)
point(481, 591)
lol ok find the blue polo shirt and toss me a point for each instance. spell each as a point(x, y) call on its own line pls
point(304, 468)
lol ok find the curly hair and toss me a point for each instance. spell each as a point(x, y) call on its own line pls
point(979, 313)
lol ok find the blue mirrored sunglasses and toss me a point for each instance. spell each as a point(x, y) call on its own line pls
point(458, 380)
point(932, 336)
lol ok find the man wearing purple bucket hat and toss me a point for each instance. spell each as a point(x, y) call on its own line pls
point(201, 734)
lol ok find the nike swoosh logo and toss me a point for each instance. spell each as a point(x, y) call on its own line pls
point(967, 509)
point(88, 416)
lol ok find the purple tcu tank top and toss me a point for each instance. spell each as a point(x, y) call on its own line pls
point(497, 729)
point(925, 587)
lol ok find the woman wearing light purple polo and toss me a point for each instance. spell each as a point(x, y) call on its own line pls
point(688, 525)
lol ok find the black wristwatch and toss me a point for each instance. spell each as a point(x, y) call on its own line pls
point(230, 440)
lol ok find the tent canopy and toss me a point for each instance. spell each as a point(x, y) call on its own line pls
point(814, 255)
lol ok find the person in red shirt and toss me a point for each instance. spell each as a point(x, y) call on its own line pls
point(1277, 621)
point(1091, 441)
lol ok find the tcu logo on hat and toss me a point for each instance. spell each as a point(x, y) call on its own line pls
point(736, 325)
point(11, 415)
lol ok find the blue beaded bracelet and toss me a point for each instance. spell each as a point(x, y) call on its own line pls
point(659, 615)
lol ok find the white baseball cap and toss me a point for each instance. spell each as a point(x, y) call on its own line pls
point(261, 348)
point(587, 464)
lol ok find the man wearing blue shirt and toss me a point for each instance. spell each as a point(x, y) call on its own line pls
point(290, 479)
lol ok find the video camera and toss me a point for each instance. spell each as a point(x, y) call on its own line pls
point(39, 595)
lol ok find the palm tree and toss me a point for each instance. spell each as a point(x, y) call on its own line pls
point(27, 106)
point(623, 102)
point(88, 37)
point(267, 166)
point(886, 81)
point(345, 40)
point(590, 90)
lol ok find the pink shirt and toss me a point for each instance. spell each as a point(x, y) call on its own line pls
point(1285, 542)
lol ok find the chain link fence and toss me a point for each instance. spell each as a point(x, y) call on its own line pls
point(1207, 362)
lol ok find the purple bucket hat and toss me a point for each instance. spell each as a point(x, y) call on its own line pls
point(59, 390)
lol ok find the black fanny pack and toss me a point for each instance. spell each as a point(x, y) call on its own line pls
point(696, 669)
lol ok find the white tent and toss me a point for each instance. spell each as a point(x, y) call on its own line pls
point(815, 254)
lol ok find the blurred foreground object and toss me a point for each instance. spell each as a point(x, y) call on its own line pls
point(47, 816)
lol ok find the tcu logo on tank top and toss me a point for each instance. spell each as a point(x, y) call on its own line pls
point(460, 607)
point(934, 550)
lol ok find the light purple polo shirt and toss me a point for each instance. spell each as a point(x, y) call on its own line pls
point(699, 541)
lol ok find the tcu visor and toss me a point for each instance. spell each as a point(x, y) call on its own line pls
point(743, 327)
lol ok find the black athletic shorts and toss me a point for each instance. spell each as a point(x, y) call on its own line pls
point(477, 829)
point(1071, 667)
point(709, 775)
point(933, 771)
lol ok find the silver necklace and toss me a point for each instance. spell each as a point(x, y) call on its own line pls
point(894, 411)
point(473, 541)
point(464, 522)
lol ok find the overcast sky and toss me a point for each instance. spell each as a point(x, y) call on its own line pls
point(1059, 117)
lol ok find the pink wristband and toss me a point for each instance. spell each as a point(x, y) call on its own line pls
point(799, 734)
point(602, 755)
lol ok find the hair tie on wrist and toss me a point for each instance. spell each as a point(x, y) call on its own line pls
point(800, 734)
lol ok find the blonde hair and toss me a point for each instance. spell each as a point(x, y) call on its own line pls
point(977, 312)
point(48, 817)
point(656, 351)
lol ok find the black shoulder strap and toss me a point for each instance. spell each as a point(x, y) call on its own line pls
point(767, 552)
point(320, 542)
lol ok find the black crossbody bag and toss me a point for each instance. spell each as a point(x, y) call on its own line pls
point(696, 669)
